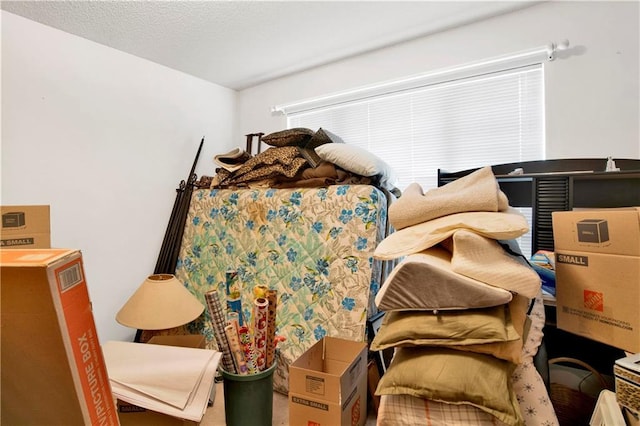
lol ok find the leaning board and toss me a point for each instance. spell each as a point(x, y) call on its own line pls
point(313, 245)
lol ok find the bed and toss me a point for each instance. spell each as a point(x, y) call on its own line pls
point(314, 246)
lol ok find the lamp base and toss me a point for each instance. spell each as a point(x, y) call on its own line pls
point(143, 336)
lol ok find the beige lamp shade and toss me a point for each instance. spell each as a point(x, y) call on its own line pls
point(161, 302)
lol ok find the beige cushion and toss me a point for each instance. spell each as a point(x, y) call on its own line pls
point(445, 328)
point(413, 239)
point(484, 259)
point(476, 192)
point(297, 136)
point(425, 281)
point(453, 377)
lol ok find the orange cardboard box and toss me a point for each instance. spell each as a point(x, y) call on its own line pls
point(53, 370)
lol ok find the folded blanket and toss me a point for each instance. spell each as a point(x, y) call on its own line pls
point(476, 192)
point(269, 164)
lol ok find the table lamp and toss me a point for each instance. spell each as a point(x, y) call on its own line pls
point(161, 302)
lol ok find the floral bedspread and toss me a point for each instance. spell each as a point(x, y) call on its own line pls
point(313, 245)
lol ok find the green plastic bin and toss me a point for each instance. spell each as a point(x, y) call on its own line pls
point(248, 399)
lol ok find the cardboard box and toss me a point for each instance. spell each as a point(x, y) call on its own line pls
point(25, 227)
point(181, 340)
point(53, 369)
point(328, 384)
point(134, 415)
point(598, 274)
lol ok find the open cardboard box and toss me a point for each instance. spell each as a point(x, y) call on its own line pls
point(328, 384)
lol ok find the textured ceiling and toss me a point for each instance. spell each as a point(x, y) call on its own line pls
point(238, 44)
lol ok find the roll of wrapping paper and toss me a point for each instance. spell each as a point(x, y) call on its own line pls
point(250, 355)
point(233, 319)
point(272, 298)
point(234, 302)
point(218, 323)
point(260, 291)
point(236, 350)
point(260, 318)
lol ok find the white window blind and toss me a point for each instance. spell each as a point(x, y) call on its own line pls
point(453, 124)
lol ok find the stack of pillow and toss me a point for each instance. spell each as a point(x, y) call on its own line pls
point(457, 302)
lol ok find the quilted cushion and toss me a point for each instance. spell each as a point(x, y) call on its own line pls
point(297, 136)
point(321, 137)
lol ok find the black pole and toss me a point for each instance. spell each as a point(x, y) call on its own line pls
point(170, 249)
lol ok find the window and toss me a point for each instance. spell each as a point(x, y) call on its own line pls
point(476, 121)
point(454, 123)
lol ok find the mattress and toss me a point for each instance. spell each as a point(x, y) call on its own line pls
point(533, 398)
point(313, 245)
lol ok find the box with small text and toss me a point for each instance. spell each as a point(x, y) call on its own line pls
point(598, 274)
point(25, 227)
point(53, 369)
point(328, 384)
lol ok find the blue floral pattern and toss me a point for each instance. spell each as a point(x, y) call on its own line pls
point(313, 245)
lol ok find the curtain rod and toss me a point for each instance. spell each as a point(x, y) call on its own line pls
point(498, 63)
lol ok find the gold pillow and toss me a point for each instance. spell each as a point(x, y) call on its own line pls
point(453, 377)
point(511, 350)
point(445, 328)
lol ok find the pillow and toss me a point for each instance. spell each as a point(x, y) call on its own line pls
point(453, 377)
point(321, 137)
point(484, 259)
point(509, 350)
point(425, 281)
point(476, 192)
point(359, 161)
point(445, 328)
point(353, 158)
point(413, 239)
point(297, 136)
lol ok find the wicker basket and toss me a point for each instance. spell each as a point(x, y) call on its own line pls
point(573, 407)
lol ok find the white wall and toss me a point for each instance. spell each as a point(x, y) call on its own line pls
point(104, 138)
point(591, 96)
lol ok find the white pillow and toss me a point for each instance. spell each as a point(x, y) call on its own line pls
point(357, 160)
